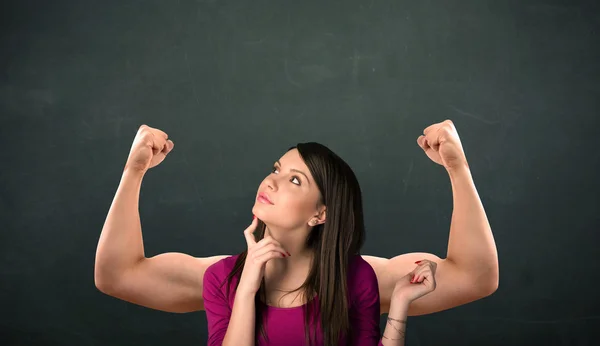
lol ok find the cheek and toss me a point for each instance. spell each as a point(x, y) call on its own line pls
point(292, 201)
point(295, 204)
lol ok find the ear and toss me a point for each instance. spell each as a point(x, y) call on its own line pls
point(319, 218)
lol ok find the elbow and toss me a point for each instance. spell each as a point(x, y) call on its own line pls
point(488, 281)
point(104, 286)
point(105, 281)
point(488, 288)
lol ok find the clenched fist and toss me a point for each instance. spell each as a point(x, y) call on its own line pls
point(417, 283)
point(150, 147)
point(442, 145)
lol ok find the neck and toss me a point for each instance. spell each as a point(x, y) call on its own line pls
point(294, 242)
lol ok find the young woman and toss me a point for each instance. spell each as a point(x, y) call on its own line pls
point(303, 282)
point(173, 282)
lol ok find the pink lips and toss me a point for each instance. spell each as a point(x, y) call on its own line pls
point(264, 197)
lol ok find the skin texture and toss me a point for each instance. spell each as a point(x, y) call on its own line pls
point(173, 281)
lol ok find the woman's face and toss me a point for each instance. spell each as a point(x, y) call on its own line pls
point(292, 192)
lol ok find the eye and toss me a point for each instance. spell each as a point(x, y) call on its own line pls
point(293, 177)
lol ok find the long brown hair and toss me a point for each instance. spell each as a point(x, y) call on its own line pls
point(333, 242)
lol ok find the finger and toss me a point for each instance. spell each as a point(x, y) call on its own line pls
point(419, 265)
point(268, 248)
point(169, 146)
point(267, 241)
point(430, 128)
point(433, 140)
point(161, 133)
point(422, 267)
point(166, 149)
point(264, 258)
point(426, 262)
point(249, 232)
point(424, 144)
point(411, 274)
point(421, 274)
point(421, 142)
point(428, 279)
point(416, 274)
point(158, 143)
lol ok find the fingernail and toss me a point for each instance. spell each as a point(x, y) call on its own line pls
point(289, 254)
point(417, 262)
point(253, 217)
point(282, 254)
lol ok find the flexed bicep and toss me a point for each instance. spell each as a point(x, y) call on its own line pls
point(454, 287)
point(171, 282)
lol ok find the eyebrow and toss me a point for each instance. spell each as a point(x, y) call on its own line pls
point(295, 170)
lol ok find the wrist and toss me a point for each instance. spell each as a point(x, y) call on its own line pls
point(399, 306)
point(245, 294)
point(459, 171)
point(132, 173)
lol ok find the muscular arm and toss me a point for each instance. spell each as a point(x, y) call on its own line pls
point(169, 282)
point(173, 281)
point(470, 270)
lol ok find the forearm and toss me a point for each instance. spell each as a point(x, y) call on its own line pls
point(240, 331)
point(471, 244)
point(395, 327)
point(120, 245)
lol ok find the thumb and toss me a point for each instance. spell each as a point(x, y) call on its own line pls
point(249, 232)
point(412, 274)
point(169, 146)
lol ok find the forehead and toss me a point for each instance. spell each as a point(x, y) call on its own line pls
point(293, 159)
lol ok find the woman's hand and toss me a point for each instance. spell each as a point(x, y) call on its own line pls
point(417, 283)
point(412, 286)
point(256, 259)
point(442, 145)
point(150, 147)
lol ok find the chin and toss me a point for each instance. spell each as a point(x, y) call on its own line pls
point(263, 215)
point(260, 211)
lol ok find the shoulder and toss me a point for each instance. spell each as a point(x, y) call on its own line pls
point(362, 282)
point(221, 269)
point(360, 269)
point(360, 273)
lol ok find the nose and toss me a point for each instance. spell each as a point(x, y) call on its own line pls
point(271, 184)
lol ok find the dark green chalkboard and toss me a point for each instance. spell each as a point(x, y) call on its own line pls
point(235, 83)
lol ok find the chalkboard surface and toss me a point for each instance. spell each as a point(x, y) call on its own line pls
point(235, 83)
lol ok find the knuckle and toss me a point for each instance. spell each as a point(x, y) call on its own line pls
point(146, 135)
